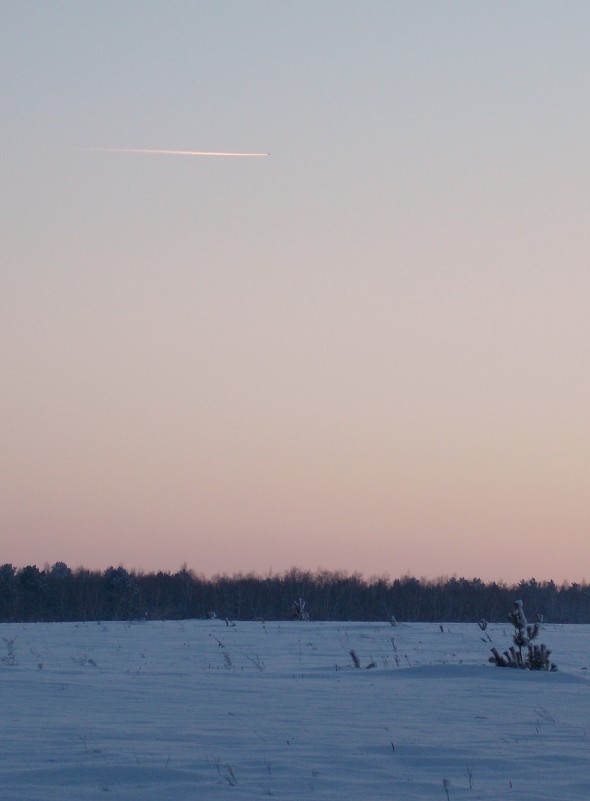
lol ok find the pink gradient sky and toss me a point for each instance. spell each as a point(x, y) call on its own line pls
point(368, 352)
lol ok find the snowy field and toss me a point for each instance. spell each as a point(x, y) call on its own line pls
point(187, 710)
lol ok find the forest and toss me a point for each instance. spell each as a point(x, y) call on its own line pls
point(59, 593)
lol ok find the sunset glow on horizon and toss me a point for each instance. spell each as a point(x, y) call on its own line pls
point(368, 353)
point(174, 152)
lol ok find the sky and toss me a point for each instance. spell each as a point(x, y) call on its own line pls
point(368, 351)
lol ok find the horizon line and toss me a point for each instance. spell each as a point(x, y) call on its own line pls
point(162, 152)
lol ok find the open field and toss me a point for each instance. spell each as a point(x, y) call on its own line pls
point(186, 710)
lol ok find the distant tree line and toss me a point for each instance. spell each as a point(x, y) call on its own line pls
point(58, 593)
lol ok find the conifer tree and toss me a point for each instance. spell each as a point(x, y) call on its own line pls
point(523, 653)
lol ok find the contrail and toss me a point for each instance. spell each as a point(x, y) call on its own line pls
point(174, 152)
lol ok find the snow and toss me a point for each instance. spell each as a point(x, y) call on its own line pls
point(181, 710)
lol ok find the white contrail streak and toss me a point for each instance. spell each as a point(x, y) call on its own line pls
point(174, 152)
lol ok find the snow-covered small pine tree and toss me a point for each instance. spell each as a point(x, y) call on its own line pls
point(524, 654)
point(299, 612)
